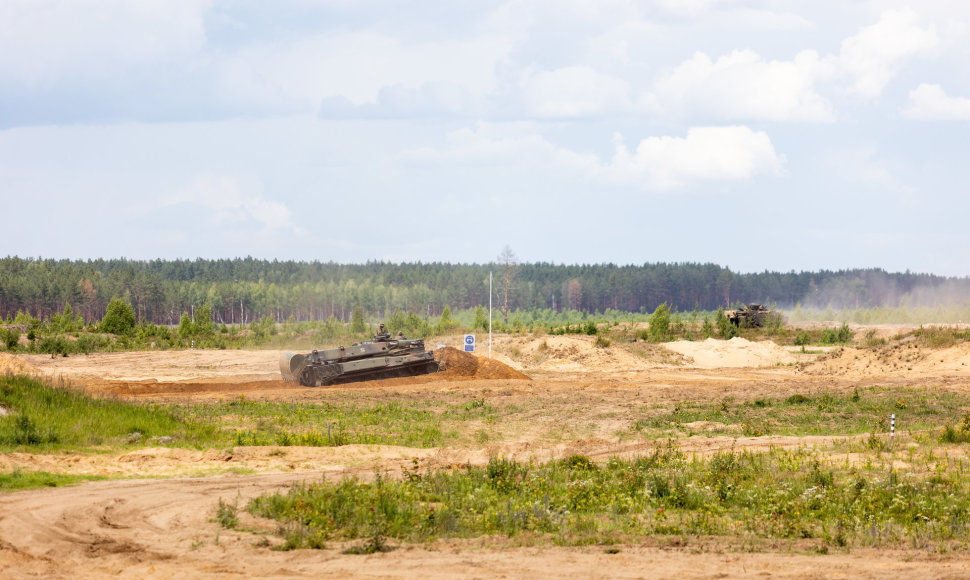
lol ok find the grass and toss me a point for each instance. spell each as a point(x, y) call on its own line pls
point(19, 479)
point(47, 417)
point(787, 494)
point(44, 416)
point(821, 413)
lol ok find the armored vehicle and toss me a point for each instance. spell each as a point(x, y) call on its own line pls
point(380, 358)
point(750, 315)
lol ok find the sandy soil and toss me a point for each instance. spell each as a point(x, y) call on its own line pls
point(160, 524)
point(737, 352)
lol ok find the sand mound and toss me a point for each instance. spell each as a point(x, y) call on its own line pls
point(576, 353)
point(905, 357)
point(737, 352)
point(11, 364)
point(458, 363)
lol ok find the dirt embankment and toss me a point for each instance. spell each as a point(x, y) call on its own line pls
point(904, 358)
point(465, 365)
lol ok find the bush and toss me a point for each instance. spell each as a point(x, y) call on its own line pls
point(707, 329)
point(725, 328)
point(119, 318)
point(446, 323)
point(357, 325)
point(802, 339)
point(186, 327)
point(839, 335)
point(481, 319)
point(660, 324)
point(55, 345)
point(10, 338)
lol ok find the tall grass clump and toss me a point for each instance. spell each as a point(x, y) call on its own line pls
point(940, 336)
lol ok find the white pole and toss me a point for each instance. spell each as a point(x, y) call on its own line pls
point(489, 315)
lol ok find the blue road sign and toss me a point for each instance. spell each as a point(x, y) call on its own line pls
point(469, 343)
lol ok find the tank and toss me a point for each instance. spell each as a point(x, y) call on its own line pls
point(380, 358)
point(751, 315)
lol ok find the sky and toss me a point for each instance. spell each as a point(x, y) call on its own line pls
point(754, 134)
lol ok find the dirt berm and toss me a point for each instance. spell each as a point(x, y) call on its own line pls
point(457, 364)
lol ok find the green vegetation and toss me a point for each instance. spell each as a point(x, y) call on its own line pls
point(47, 417)
point(44, 417)
point(957, 434)
point(787, 494)
point(824, 413)
point(660, 324)
point(240, 291)
point(840, 494)
point(19, 479)
point(840, 335)
point(119, 318)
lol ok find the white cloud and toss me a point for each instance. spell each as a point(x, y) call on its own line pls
point(930, 102)
point(706, 154)
point(45, 41)
point(501, 145)
point(228, 201)
point(732, 153)
point(358, 65)
point(575, 91)
point(743, 85)
point(871, 57)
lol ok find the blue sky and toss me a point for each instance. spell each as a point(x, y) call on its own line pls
point(782, 135)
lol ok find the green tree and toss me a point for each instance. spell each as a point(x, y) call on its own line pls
point(398, 322)
point(357, 325)
point(707, 329)
point(481, 319)
point(203, 321)
point(119, 318)
point(725, 327)
point(660, 324)
point(447, 322)
point(186, 328)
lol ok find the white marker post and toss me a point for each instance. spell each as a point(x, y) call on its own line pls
point(892, 428)
point(489, 315)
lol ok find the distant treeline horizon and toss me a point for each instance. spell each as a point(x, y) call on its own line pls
point(244, 289)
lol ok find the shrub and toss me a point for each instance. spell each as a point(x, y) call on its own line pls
point(725, 327)
point(660, 323)
point(481, 319)
point(357, 325)
point(119, 318)
point(839, 335)
point(10, 338)
point(707, 329)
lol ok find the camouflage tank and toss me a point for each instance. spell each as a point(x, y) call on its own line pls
point(380, 358)
point(752, 315)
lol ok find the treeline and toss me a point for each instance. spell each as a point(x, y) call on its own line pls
point(245, 289)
